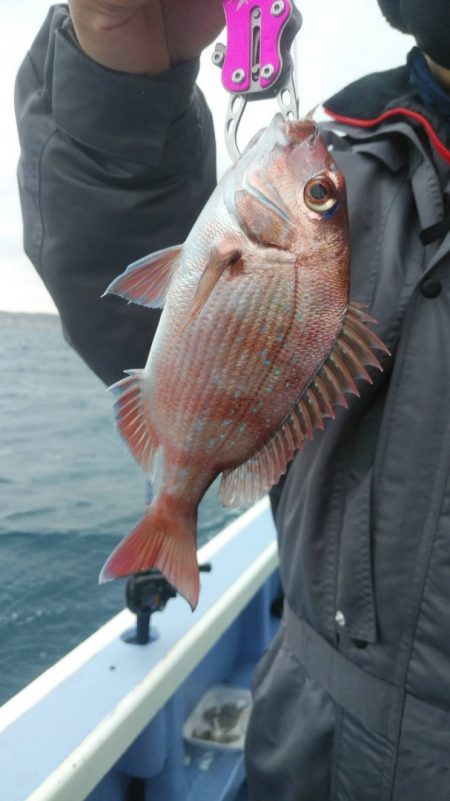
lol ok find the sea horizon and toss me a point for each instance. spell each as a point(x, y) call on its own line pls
point(23, 291)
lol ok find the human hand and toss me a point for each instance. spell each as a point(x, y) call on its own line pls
point(145, 36)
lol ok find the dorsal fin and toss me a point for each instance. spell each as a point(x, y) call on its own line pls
point(345, 362)
point(146, 281)
point(131, 421)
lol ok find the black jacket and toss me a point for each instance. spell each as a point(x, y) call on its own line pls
point(352, 702)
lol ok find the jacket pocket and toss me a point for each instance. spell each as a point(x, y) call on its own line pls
point(355, 602)
point(355, 591)
point(418, 778)
point(290, 736)
point(423, 764)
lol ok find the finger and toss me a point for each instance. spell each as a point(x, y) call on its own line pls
point(125, 35)
point(191, 26)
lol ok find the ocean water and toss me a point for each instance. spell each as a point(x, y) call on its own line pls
point(69, 492)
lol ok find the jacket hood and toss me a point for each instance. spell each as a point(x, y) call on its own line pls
point(427, 22)
point(383, 96)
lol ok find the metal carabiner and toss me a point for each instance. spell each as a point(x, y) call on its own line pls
point(256, 64)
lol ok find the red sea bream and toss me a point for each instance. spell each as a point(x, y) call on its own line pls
point(256, 344)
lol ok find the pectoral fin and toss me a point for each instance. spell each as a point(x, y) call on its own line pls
point(219, 262)
point(147, 281)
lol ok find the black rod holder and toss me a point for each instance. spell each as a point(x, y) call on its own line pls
point(145, 594)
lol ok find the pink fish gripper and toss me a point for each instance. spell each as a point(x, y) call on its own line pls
point(256, 63)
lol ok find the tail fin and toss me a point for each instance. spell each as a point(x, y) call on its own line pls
point(162, 541)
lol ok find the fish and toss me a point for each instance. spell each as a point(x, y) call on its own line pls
point(256, 345)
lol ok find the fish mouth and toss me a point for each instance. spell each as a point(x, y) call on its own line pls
point(301, 131)
point(287, 132)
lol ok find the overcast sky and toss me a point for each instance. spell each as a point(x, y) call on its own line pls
point(339, 42)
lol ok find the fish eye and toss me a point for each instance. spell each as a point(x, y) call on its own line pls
point(320, 194)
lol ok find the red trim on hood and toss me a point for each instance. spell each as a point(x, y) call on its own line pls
point(407, 112)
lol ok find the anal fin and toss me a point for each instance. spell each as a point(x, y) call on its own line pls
point(347, 360)
point(131, 421)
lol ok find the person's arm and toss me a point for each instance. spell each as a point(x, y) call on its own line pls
point(114, 165)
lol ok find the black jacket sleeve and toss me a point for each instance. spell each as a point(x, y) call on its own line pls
point(112, 167)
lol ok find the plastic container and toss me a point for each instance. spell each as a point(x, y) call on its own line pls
point(220, 718)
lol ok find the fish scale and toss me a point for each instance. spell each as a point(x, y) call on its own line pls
point(256, 344)
point(254, 374)
point(219, 348)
